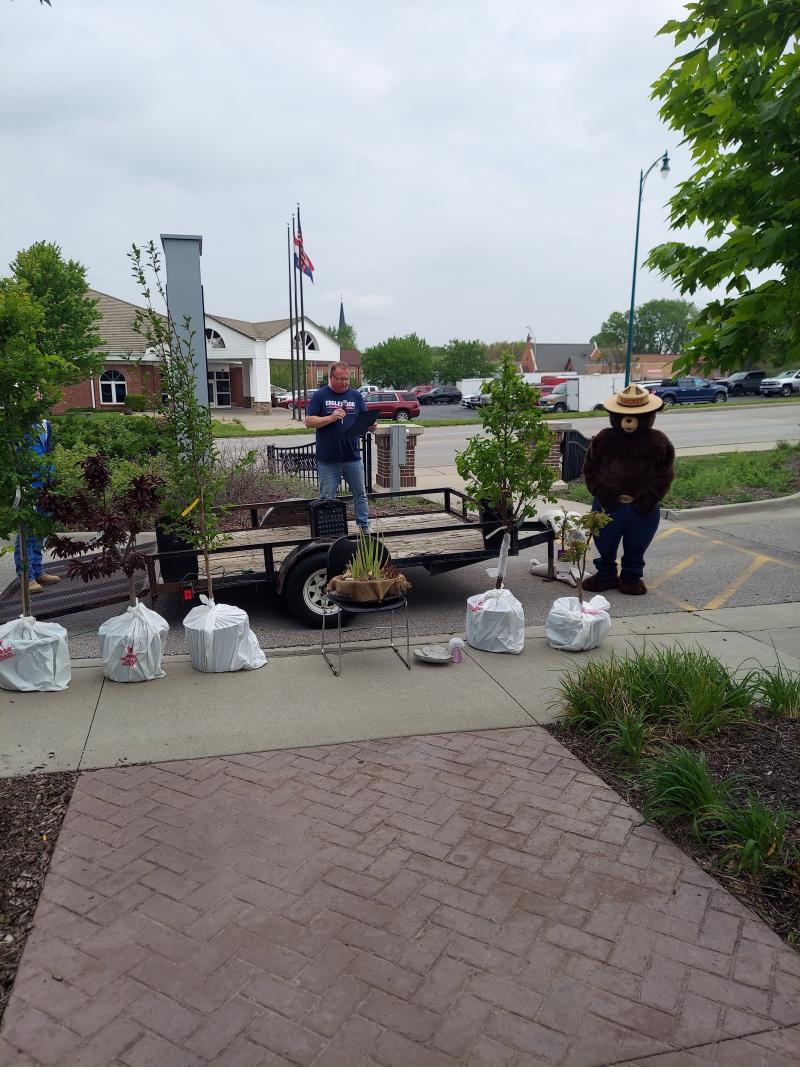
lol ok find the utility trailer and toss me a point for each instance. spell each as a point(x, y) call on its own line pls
point(286, 547)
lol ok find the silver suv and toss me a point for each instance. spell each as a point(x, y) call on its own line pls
point(782, 384)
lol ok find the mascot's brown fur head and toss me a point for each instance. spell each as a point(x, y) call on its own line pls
point(644, 422)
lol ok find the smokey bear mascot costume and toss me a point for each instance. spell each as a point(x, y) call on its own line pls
point(628, 470)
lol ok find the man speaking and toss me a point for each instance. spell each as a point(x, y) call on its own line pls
point(331, 411)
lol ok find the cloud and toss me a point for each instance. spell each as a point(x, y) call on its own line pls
point(465, 168)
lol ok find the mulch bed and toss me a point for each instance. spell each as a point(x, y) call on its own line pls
point(32, 809)
point(766, 756)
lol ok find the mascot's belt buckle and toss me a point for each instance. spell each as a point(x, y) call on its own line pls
point(626, 500)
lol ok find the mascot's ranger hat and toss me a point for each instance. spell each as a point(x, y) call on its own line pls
point(633, 400)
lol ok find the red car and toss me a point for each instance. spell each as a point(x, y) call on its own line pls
point(418, 390)
point(392, 405)
point(291, 400)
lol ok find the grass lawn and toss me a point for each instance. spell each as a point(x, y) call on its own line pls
point(729, 478)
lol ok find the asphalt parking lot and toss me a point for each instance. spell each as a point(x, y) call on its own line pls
point(734, 561)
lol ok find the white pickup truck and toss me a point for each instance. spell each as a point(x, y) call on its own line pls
point(783, 384)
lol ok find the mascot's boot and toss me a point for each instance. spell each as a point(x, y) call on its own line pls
point(630, 586)
point(596, 583)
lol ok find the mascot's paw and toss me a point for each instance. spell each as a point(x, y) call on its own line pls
point(596, 584)
point(631, 586)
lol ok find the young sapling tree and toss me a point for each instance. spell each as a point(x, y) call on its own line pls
point(577, 550)
point(195, 478)
point(506, 468)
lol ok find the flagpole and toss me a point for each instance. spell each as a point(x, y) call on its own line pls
point(296, 409)
point(302, 311)
point(291, 318)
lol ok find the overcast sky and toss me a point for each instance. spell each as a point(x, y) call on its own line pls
point(464, 168)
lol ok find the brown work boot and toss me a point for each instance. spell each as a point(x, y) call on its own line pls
point(48, 579)
point(632, 586)
point(595, 583)
point(34, 587)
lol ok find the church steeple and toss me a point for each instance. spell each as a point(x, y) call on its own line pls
point(527, 363)
point(342, 322)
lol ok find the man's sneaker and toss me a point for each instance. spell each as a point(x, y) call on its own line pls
point(48, 579)
point(597, 584)
point(34, 587)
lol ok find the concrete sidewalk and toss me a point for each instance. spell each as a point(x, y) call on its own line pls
point(295, 700)
point(388, 869)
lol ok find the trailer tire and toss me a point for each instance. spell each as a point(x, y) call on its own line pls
point(303, 590)
point(598, 407)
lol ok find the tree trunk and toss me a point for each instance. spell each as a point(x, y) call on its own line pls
point(24, 570)
point(132, 598)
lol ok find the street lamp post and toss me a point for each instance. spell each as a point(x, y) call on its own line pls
point(664, 171)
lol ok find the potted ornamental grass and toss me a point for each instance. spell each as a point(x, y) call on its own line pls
point(370, 577)
point(120, 510)
point(218, 636)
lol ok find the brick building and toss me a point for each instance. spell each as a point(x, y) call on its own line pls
point(239, 354)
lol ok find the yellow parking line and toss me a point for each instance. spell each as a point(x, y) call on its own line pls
point(747, 573)
point(684, 605)
point(677, 569)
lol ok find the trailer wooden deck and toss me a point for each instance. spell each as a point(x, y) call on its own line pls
point(406, 540)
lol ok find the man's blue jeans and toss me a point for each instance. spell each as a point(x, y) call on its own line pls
point(35, 565)
point(634, 531)
point(330, 478)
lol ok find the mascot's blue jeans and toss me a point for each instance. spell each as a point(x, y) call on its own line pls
point(635, 533)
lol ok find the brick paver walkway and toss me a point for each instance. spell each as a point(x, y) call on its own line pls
point(475, 898)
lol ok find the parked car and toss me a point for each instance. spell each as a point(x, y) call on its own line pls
point(782, 384)
point(292, 400)
point(743, 382)
point(442, 394)
point(418, 390)
point(690, 391)
point(277, 394)
point(389, 404)
point(364, 389)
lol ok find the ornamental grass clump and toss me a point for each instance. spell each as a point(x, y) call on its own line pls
point(678, 786)
point(753, 839)
point(681, 693)
point(370, 560)
point(778, 692)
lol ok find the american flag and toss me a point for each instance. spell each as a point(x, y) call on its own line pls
point(301, 260)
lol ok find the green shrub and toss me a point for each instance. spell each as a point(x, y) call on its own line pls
point(68, 476)
point(139, 402)
point(753, 839)
point(110, 434)
point(678, 785)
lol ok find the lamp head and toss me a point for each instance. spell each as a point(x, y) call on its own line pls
point(664, 169)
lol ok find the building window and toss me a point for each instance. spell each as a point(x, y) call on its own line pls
point(311, 342)
point(113, 387)
point(320, 377)
point(214, 339)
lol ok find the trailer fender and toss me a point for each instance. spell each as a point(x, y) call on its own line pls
point(294, 557)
